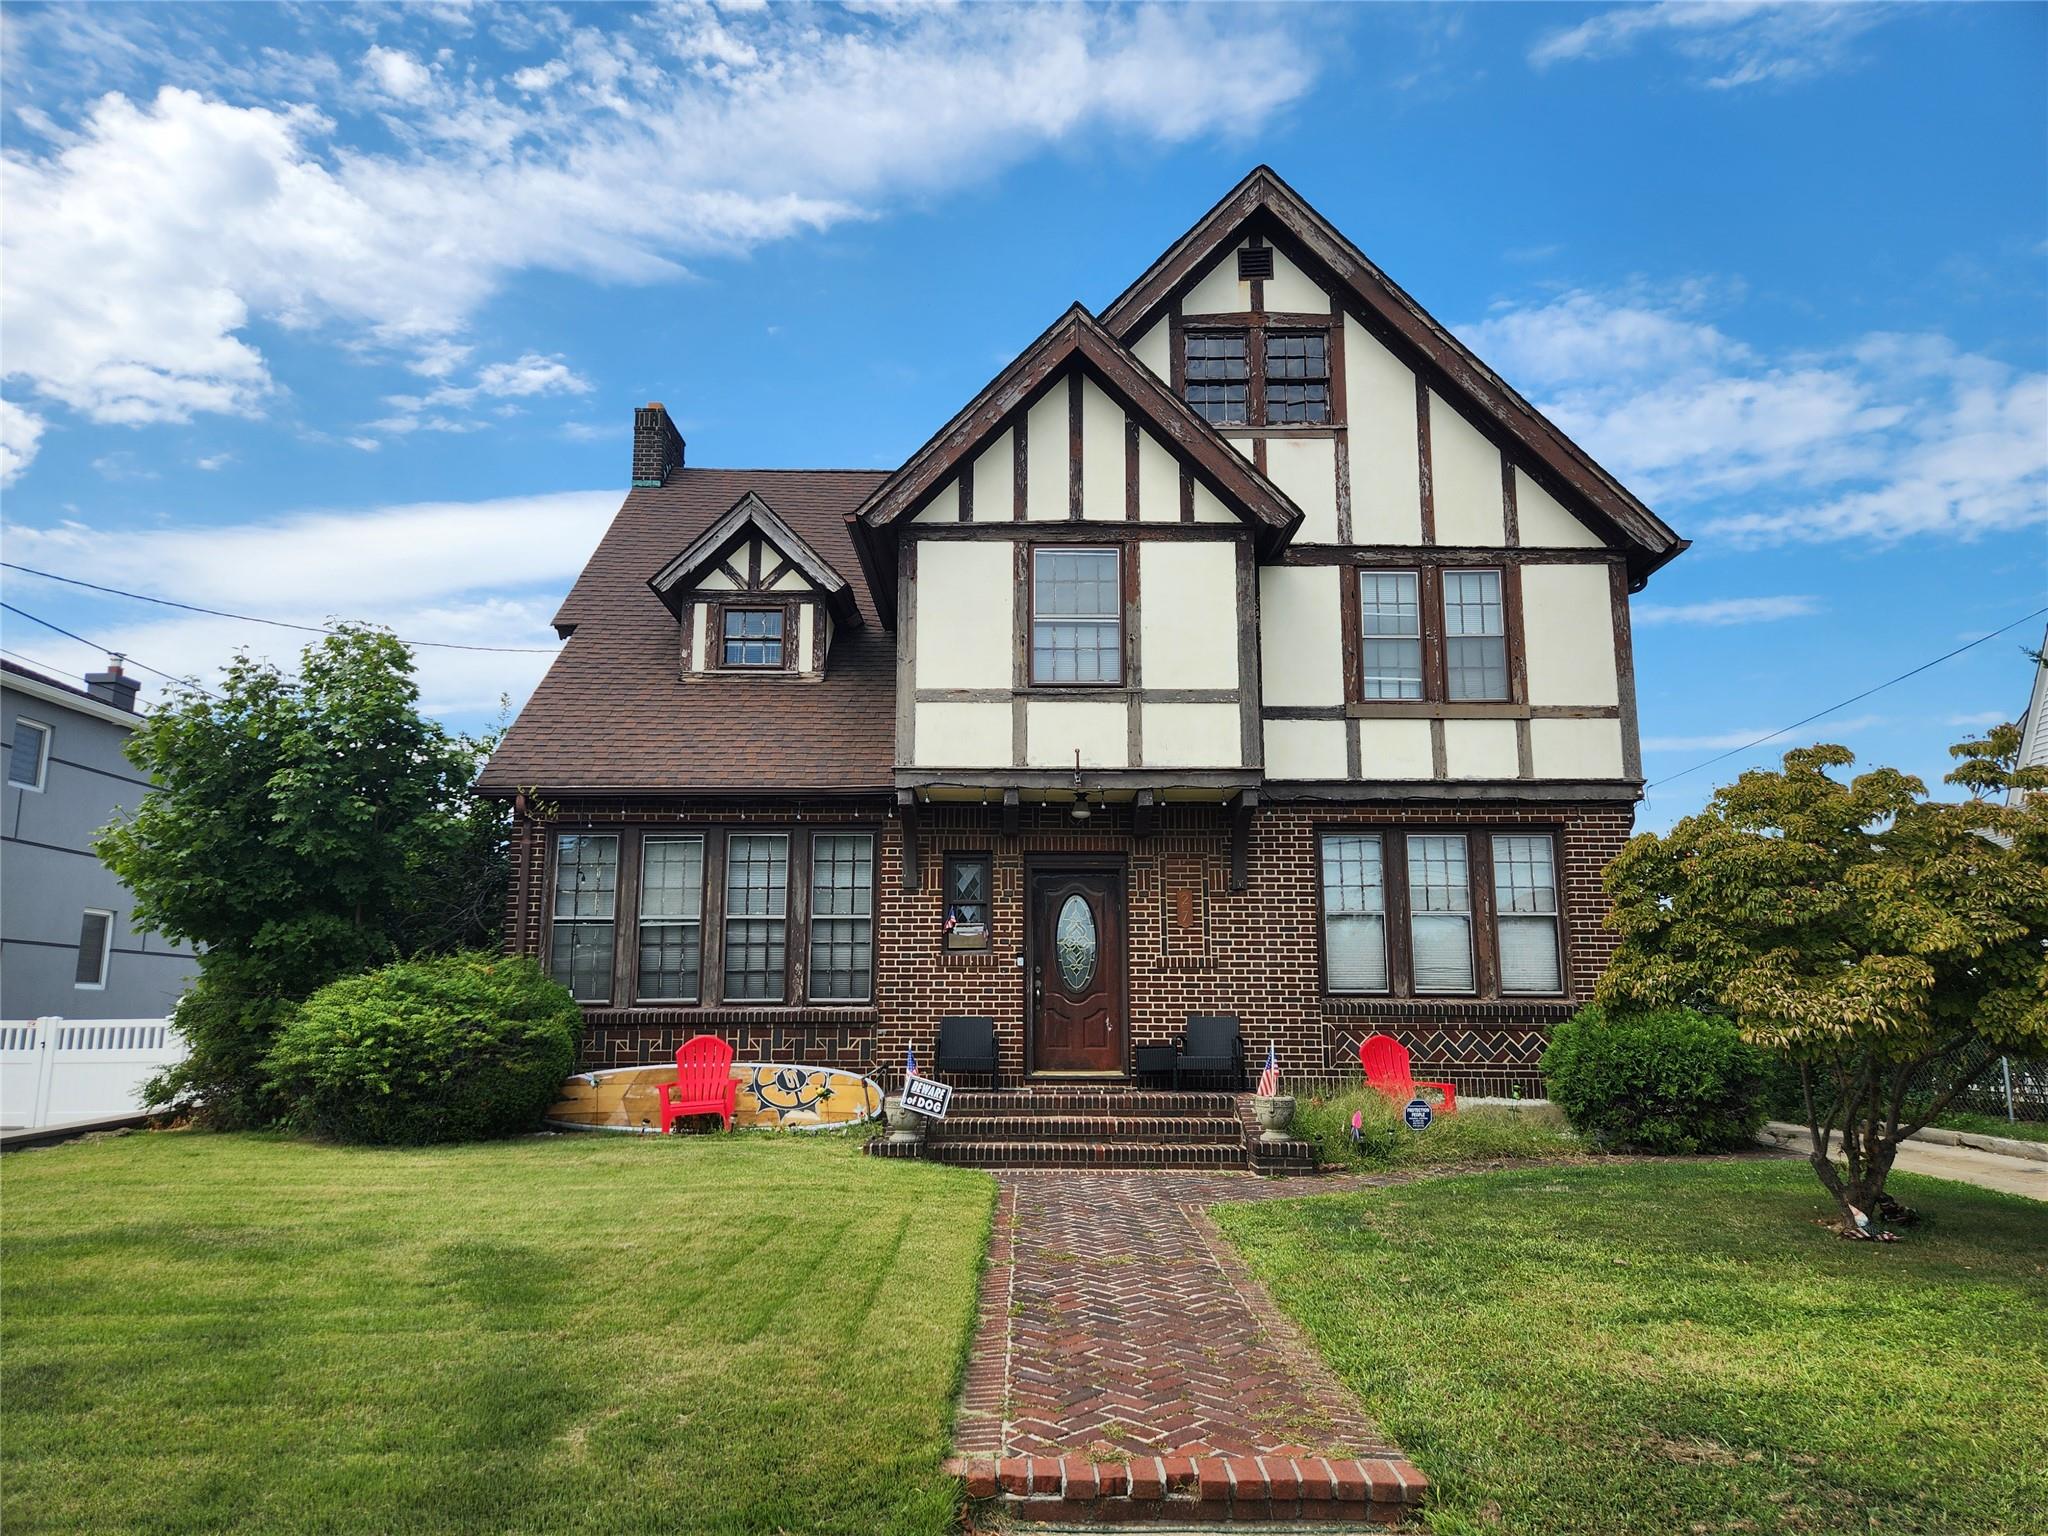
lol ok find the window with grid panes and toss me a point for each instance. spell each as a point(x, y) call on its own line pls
point(967, 883)
point(1354, 913)
point(671, 918)
point(1390, 634)
point(1439, 914)
point(756, 917)
point(1076, 616)
point(1525, 913)
point(1475, 636)
point(842, 916)
point(1297, 377)
point(753, 637)
point(28, 755)
point(585, 914)
point(1219, 376)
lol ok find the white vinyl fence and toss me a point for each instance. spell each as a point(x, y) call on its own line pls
point(54, 1071)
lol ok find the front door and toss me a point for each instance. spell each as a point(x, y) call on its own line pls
point(1077, 971)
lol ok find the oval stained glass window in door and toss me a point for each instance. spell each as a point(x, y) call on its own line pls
point(1073, 938)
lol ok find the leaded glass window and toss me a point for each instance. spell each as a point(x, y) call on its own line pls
point(1525, 910)
point(585, 914)
point(753, 637)
point(1390, 634)
point(1475, 636)
point(1354, 913)
point(1298, 377)
point(1219, 376)
point(756, 917)
point(1076, 616)
point(1440, 913)
point(842, 916)
point(671, 918)
point(967, 906)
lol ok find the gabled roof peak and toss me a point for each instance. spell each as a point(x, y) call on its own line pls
point(748, 516)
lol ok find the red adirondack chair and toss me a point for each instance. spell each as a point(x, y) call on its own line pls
point(704, 1083)
point(1385, 1060)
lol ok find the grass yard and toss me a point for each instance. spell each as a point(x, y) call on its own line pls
point(1994, 1125)
point(1676, 1347)
point(1473, 1135)
point(738, 1334)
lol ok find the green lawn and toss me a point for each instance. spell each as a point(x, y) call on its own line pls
point(748, 1333)
point(1677, 1347)
point(1994, 1125)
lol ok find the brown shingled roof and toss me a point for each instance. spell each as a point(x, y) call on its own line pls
point(614, 715)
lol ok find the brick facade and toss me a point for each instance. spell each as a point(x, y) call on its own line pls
point(1194, 946)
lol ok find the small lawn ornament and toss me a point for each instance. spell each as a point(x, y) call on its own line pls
point(1358, 1127)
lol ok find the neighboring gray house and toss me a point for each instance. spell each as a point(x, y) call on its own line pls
point(66, 947)
point(2034, 723)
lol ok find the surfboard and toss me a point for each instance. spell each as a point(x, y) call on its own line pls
point(772, 1096)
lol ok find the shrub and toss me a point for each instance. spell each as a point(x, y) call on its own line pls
point(220, 1081)
point(1659, 1080)
point(455, 1048)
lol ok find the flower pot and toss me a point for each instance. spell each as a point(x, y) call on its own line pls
point(1275, 1114)
point(906, 1126)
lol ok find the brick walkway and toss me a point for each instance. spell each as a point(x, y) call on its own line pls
point(1116, 1322)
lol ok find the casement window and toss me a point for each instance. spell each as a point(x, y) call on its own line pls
point(28, 755)
point(671, 919)
point(967, 908)
point(585, 914)
point(95, 945)
point(1525, 907)
point(1076, 615)
point(1440, 913)
point(842, 916)
point(756, 917)
point(1257, 377)
point(753, 638)
point(1437, 635)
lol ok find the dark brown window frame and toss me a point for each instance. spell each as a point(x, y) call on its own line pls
point(986, 859)
point(1435, 698)
point(714, 633)
point(1257, 326)
point(711, 950)
point(1486, 965)
point(1125, 569)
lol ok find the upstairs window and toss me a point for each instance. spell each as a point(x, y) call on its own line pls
point(1432, 636)
point(1390, 624)
point(1219, 377)
point(28, 755)
point(1475, 636)
point(1297, 377)
point(753, 637)
point(95, 944)
point(1076, 616)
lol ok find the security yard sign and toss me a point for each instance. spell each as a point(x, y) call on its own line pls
point(1418, 1114)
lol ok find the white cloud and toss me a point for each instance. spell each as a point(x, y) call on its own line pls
point(1979, 719)
point(21, 432)
point(528, 376)
point(1724, 741)
point(207, 205)
point(474, 573)
point(1883, 438)
point(1728, 43)
point(213, 461)
point(1725, 612)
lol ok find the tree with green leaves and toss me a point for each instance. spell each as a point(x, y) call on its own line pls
point(1888, 944)
point(303, 828)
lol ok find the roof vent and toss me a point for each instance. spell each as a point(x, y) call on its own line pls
point(1254, 263)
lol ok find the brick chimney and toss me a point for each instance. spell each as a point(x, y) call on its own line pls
point(113, 686)
point(657, 445)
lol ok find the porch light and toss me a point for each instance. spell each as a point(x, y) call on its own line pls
point(1080, 810)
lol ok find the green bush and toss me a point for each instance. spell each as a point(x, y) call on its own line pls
point(455, 1048)
point(1663, 1080)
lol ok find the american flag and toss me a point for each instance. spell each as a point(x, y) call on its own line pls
point(1269, 1080)
point(910, 1062)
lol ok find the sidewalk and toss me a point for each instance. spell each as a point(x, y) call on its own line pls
point(1965, 1165)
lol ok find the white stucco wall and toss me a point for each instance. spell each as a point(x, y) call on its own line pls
point(945, 506)
point(1575, 749)
point(1480, 749)
point(1305, 749)
point(995, 480)
point(1191, 736)
point(1290, 290)
point(699, 617)
point(1219, 292)
point(1155, 350)
point(966, 591)
point(1208, 509)
point(806, 632)
point(1394, 749)
point(1543, 521)
point(1301, 635)
point(962, 736)
point(1465, 475)
point(1306, 469)
point(1187, 614)
point(1158, 481)
point(1568, 631)
point(1102, 455)
point(1046, 456)
point(1379, 396)
point(1055, 727)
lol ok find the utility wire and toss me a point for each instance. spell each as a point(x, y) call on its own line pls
point(1844, 704)
point(23, 613)
point(250, 618)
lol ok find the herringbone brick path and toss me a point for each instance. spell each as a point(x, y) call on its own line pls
point(1116, 1323)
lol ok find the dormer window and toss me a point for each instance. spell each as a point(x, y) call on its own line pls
point(1219, 377)
point(753, 638)
point(1297, 377)
point(1258, 377)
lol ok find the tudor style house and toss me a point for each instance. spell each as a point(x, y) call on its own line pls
point(1248, 647)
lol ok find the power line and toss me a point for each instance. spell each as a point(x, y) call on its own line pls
point(1844, 704)
point(250, 618)
point(23, 613)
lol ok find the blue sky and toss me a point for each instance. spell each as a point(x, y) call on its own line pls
point(323, 311)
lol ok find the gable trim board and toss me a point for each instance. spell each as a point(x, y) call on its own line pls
point(1264, 205)
point(702, 559)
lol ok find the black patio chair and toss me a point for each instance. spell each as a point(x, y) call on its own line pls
point(966, 1044)
point(1212, 1044)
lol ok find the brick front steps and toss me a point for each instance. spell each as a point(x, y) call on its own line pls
point(1190, 1489)
point(1101, 1127)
